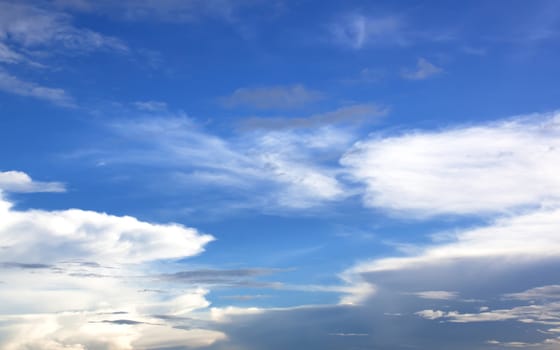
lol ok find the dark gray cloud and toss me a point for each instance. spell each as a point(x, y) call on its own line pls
point(500, 303)
point(232, 277)
point(17, 265)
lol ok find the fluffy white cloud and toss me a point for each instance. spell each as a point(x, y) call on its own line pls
point(17, 181)
point(38, 236)
point(487, 168)
point(75, 279)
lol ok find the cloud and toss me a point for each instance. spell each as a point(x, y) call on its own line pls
point(424, 70)
point(17, 181)
point(353, 114)
point(437, 295)
point(13, 85)
point(487, 168)
point(36, 236)
point(231, 277)
point(56, 295)
point(272, 97)
point(151, 106)
point(166, 10)
point(29, 26)
point(263, 169)
point(551, 292)
point(358, 31)
point(529, 236)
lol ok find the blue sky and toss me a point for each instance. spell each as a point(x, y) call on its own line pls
point(253, 174)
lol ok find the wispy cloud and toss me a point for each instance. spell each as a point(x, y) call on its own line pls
point(14, 85)
point(167, 10)
point(272, 97)
point(349, 115)
point(358, 31)
point(424, 69)
point(290, 168)
point(29, 26)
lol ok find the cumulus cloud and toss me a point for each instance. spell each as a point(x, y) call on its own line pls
point(17, 181)
point(36, 235)
point(69, 276)
point(272, 97)
point(489, 168)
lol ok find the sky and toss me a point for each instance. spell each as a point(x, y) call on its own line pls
point(279, 174)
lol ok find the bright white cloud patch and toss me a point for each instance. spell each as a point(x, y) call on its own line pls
point(37, 235)
point(488, 168)
point(530, 236)
point(17, 181)
point(73, 279)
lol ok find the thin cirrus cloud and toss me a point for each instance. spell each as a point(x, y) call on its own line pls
point(168, 10)
point(358, 31)
point(424, 70)
point(14, 85)
point(272, 97)
point(30, 35)
point(489, 168)
point(29, 26)
point(278, 168)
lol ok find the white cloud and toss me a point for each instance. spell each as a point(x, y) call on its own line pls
point(424, 70)
point(530, 236)
point(8, 55)
point(357, 31)
point(33, 27)
point(489, 168)
point(551, 292)
point(73, 279)
point(272, 97)
point(287, 169)
point(437, 295)
point(36, 235)
point(14, 85)
point(17, 181)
